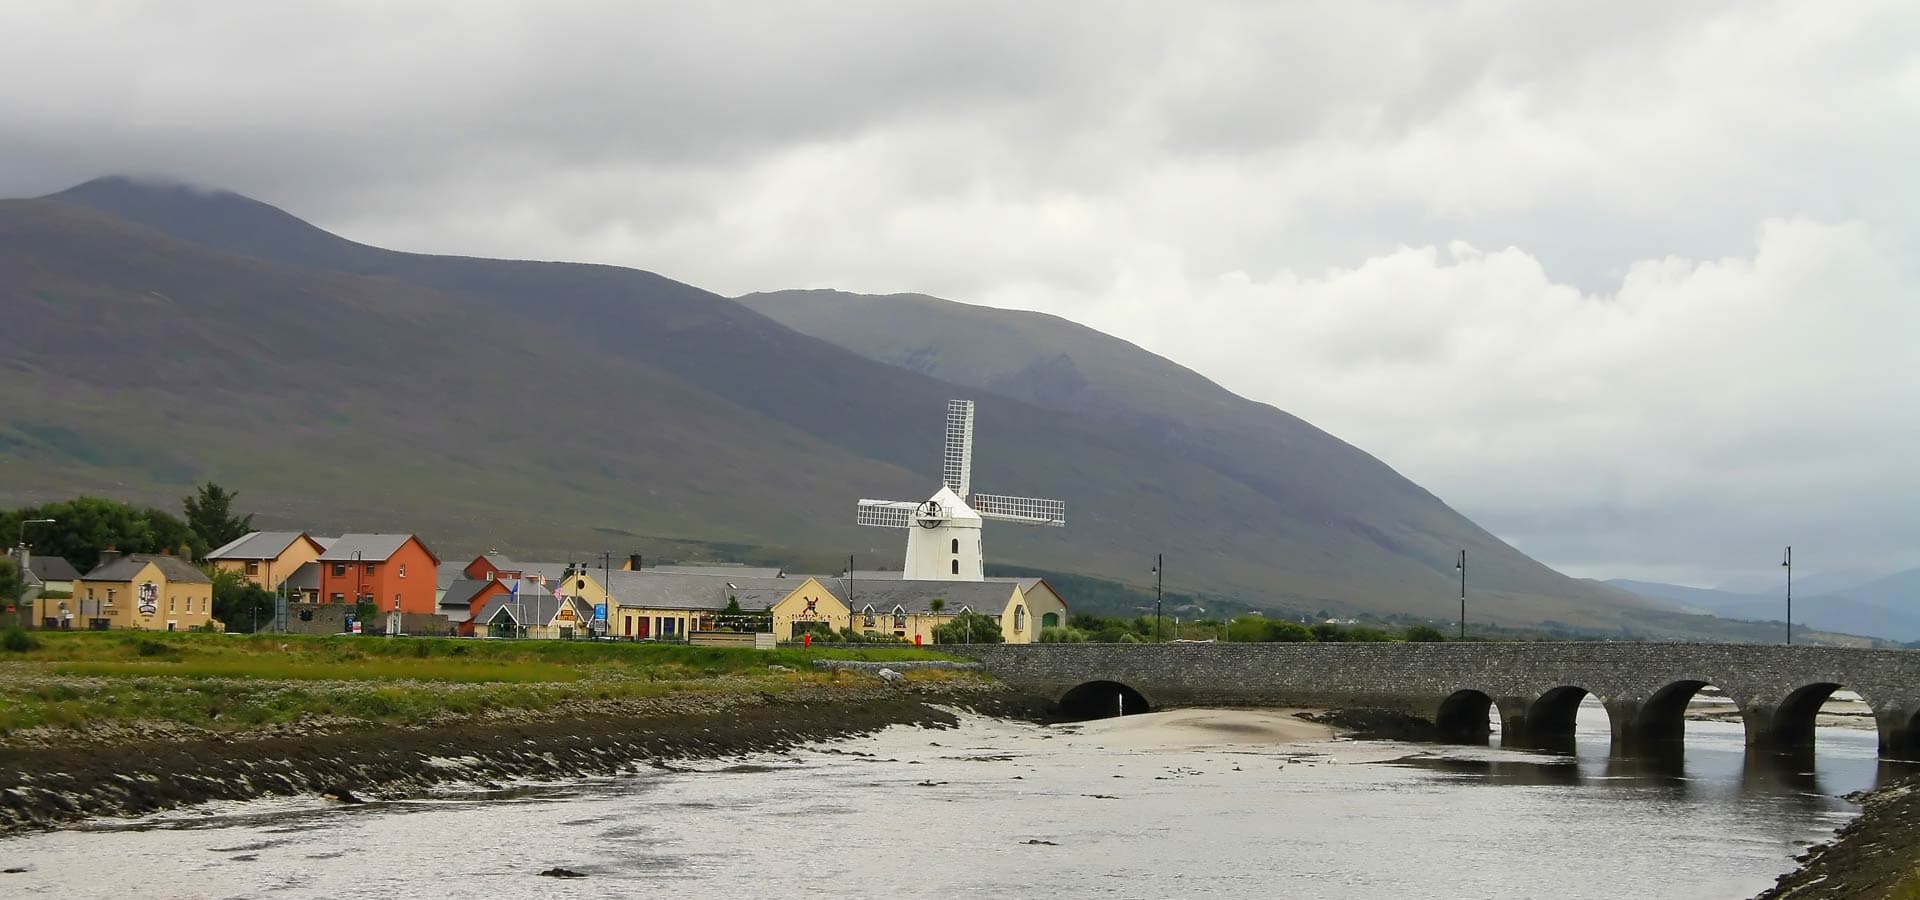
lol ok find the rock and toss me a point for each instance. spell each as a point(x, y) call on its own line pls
point(890, 676)
point(1036, 842)
point(557, 872)
point(340, 794)
point(15, 870)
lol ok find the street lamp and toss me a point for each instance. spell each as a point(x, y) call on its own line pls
point(1159, 578)
point(359, 590)
point(1462, 566)
point(20, 560)
point(1788, 562)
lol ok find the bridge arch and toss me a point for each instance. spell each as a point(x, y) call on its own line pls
point(1791, 727)
point(1465, 716)
point(1552, 719)
point(1103, 699)
point(1659, 722)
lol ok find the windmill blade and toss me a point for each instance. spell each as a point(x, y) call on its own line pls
point(956, 460)
point(885, 513)
point(1025, 510)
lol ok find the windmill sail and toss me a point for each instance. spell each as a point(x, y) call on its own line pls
point(886, 513)
point(956, 463)
point(1025, 510)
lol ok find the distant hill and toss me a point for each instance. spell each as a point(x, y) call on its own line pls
point(161, 334)
point(1885, 607)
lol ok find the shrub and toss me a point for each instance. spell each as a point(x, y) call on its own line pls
point(1364, 635)
point(1425, 634)
point(1328, 633)
point(1062, 636)
point(969, 628)
point(151, 647)
point(1284, 632)
point(1129, 638)
point(17, 640)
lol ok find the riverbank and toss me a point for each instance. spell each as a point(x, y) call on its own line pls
point(130, 724)
point(1874, 857)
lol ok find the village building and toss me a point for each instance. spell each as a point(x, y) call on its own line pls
point(883, 603)
point(137, 591)
point(266, 558)
point(532, 612)
point(395, 572)
point(303, 585)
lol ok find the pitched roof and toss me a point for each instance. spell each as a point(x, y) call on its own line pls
point(984, 597)
point(126, 567)
point(305, 578)
point(722, 569)
point(462, 592)
point(257, 545)
point(648, 588)
point(52, 568)
point(538, 605)
point(445, 574)
point(371, 547)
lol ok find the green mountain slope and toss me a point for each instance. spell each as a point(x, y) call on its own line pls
point(546, 408)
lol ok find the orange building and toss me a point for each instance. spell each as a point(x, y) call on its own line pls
point(391, 571)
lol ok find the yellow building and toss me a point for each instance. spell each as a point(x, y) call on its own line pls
point(655, 605)
point(904, 609)
point(140, 591)
point(267, 558)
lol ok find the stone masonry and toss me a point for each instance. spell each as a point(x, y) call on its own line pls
point(1536, 687)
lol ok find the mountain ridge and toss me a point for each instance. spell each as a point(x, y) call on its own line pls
point(587, 400)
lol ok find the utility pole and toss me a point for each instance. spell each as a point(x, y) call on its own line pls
point(1788, 562)
point(1159, 579)
point(606, 594)
point(1462, 566)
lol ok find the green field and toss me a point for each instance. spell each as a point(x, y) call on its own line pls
point(235, 683)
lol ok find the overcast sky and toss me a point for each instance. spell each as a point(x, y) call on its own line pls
point(1636, 287)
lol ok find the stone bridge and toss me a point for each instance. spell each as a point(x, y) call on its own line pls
point(1536, 687)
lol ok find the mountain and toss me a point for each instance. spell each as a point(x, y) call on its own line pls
point(167, 334)
point(1886, 607)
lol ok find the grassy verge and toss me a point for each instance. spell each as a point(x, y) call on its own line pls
point(235, 683)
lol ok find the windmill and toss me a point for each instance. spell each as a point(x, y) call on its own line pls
point(943, 537)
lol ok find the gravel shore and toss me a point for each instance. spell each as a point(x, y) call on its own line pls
point(1875, 856)
point(46, 782)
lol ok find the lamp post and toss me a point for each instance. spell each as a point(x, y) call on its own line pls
point(1159, 579)
point(1787, 561)
point(1462, 566)
point(20, 561)
point(359, 590)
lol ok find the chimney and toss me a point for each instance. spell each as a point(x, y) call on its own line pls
point(633, 562)
point(110, 555)
point(166, 551)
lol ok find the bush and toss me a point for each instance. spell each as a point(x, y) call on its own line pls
point(1328, 633)
point(17, 640)
point(1284, 632)
point(1129, 638)
point(969, 628)
point(151, 647)
point(1364, 635)
point(1425, 634)
point(1062, 636)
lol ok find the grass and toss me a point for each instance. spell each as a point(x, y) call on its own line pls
point(229, 682)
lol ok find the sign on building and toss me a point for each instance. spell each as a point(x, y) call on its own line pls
point(149, 598)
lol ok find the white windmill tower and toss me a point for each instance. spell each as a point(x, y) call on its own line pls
point(943, 537)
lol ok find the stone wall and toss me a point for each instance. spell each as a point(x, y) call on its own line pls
point(1645, 686)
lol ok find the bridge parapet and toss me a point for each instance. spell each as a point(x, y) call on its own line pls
point(1535, 686)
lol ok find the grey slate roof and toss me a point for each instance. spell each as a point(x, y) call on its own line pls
point(256, 545)
point(305, 578)
point(728, 571)
point(984, 597)
point(126, 567)
point(52, 568)
point(447, 573)
point(537, 604)
point(371, 547)
point(695, 592)
point(461, 593)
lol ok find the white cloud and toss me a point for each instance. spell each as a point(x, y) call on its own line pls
point(1697, 343)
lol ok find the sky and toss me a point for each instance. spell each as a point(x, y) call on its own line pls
point(1632, 284)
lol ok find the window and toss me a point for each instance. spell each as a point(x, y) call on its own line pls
point(396, 602)
point(89, 593)
point(1019, 618)
point(172, 603)
point(866, 617)
point(369, 568)
point(1050, 620)
point(403, 570)
point(489, 574)
point(956, 546)
point(253, 567)
point(899, 617)
point(339, 597)
point(956, 567)
point(109, 596)
point(339, 569)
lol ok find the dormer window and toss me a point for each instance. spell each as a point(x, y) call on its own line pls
point(899, 617)
point(866, 617)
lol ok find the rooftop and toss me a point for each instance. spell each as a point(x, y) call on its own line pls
point(257, 545)
point(126, 568)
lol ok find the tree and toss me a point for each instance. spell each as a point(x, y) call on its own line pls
point(733, 606)
point(10, 585)
point(1425, 634)
point(969, 628)
point(239, 603)
point(210, 514)
point(937, 604)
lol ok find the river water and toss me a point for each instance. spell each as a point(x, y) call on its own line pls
point(1018, 810)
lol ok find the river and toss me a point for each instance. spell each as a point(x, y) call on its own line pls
point(1208, 805)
